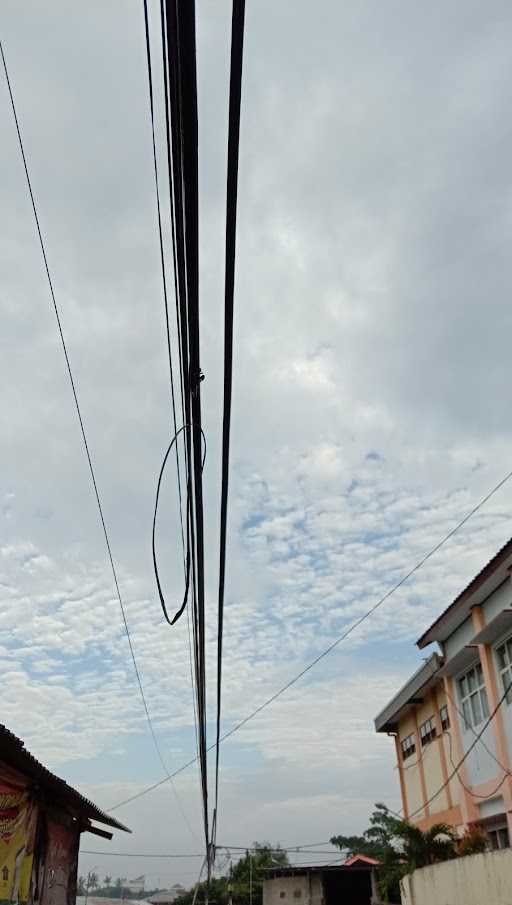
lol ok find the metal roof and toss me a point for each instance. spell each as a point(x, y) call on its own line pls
point(488, 579)
point(293, 870)
point(423, 679)
point(15, 755)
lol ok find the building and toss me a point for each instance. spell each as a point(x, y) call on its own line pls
point(167, 896)
point(137, 885)
point(353, 882)
point(437, 717)
point(41, 821)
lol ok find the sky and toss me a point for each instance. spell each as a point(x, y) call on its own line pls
point(371, 398)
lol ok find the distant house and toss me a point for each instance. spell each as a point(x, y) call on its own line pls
point(454, 759)
point(353, 883)
point(136, 886)
point(41, 820)
point(167, 896)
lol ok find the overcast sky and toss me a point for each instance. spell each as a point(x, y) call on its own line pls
point(371, 403)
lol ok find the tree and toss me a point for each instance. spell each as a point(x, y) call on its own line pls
point(252, 870)
point(108, 880)
point(246, 876)
point(92, 880)
point(400, 847)
point(377, 840)
point(80, 886)
point(420, 849)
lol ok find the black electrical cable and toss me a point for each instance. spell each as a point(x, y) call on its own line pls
point(335, 643)
point(180, 78)
point(465, 756)
point(81, 422)
point(153, 536)
point(162, 263)
point(235, 92)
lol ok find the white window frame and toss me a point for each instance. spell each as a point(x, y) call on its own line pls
point(445, 723)
point(410, 749)
point(504, 671)
point(498, 830)
point(472, 693)
point(428, 731)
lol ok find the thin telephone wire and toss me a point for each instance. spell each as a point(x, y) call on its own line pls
point(337, 641)
point(162, 263)
point(82, 427)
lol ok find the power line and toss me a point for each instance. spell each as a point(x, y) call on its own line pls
point(463, 784)
point(337, 641)
point(465, 756)
point(81, 422)
point(235, 94)
point(85, 851)
point(180, 92)
point(162, 259)
point(233, 848)
point(186, 555)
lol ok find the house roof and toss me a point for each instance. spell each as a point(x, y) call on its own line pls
point(166, 895)
point(361, 859)
point(15, 755)
point(355, 863)
point(410, 693)
point(494, 573)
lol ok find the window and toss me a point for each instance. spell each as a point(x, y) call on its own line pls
point(504, 653)
point(282, 894)
point(427, 731)
point(408, 747)
point(499, 838)
point(473, 697)
point(297, 893)
point(445, 719)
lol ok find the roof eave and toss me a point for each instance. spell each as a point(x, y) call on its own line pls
point(441, 628)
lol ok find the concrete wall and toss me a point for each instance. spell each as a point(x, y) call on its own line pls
point(460, 637)
point(474, 880)
point(411, 767)
point(301, 889)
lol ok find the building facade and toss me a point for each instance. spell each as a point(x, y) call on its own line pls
point(452, 721)
point(353, 882)
point(41, 822)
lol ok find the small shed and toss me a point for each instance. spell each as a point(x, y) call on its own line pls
point(41, 820)
point(351, 883)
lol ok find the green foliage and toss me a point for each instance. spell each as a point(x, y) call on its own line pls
point(249, 871)
point(377, 840)
point(400, 846)
point(473, 842)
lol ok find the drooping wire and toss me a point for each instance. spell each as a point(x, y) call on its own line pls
point(180, 89)
point(162, 265)
point(235, 92)
point(465, 756)
point(81, 422)
point(337, 641)
point(153, 536)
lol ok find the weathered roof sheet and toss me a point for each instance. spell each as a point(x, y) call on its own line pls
point(15, 755)
point(357, 862)
point(490, 577)
point(420, 682)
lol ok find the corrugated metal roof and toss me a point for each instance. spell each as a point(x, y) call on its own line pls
point(15, 755)
point(435, 630)
point(423, 677)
